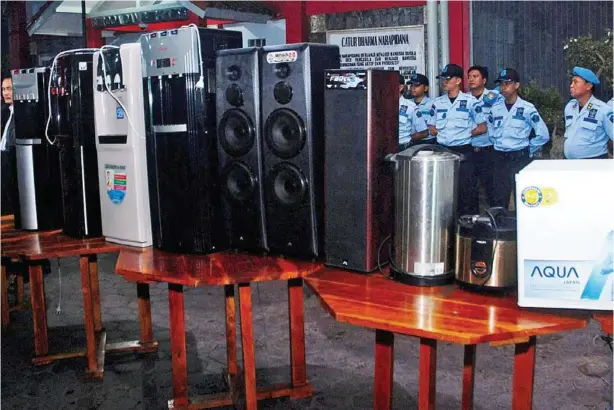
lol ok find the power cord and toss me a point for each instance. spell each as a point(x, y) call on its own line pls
point(55, 59)
point(107, 87)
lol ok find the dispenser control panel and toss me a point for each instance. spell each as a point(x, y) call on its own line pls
point(170, 52)
point(110, 75)
point(25, 84)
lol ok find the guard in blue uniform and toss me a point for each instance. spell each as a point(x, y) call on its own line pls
point(512, 120)
point(419, 90)
point(588, 121)
point(412, 124)
point(456, 118)
point(477, 77)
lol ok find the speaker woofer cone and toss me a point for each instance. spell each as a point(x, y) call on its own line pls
point(236, 132)
point(238, 182)
point(287, 184)
point(285, 133)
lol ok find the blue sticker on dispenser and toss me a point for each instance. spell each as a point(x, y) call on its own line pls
point(120, 113)
point(115, 181)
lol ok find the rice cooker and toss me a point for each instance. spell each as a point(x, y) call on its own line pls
point(486, 251)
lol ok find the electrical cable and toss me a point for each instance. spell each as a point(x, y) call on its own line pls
point(55, 59)
point(107, 88)
point(201, 80)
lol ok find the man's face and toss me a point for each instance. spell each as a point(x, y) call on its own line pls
point(577, 88)
point(418, 90)
point(451, 84)
point(475, 80)
point(508, 88)
point(7, 90)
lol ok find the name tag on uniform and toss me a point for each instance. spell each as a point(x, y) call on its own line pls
point(403, 117)
point(462, 106)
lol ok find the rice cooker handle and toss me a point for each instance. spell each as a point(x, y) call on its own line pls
point(432, 147)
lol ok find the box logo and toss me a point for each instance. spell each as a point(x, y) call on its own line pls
point(533, 196)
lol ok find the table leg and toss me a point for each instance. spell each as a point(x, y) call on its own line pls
point(296, 314)
point(178, 347)
point(231, 330)
point(384, 364)
point(90, 325)
point(247, 342)
point(20, 290)
point(142, 292)
point(95, 286)
point(39, 310)
point(428, 371)
point(468, 377)
point(6, 319)
point(524, 372)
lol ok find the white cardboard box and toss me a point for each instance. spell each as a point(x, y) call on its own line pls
point(565, 211)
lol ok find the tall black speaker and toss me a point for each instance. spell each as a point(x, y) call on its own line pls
point(39, 193)
point(182, 165)
point(293, 131)
point(240, 147)
point(359, 182)
point(72, 128)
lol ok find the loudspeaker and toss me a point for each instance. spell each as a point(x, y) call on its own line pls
point(293, 132)
point(182, 165)
point(361, 128)
point(240, 147)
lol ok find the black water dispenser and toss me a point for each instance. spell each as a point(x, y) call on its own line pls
point(72, 129)
point(39, 191)
point(179, 92)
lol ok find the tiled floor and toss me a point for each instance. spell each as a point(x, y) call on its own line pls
point(574, 370)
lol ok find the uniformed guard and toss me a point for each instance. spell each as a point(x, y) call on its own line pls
point(453, 120)
point(588, 121)
point(412, 124)
point(477, 77)
point(512, 120)
point(419, 90)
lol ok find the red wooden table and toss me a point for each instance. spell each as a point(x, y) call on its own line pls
point(606, 320)
point(444, 313)
point(225, 269)
point(9, 234)
point(34, 251)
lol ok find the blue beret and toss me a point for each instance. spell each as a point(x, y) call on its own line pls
point(586, 74)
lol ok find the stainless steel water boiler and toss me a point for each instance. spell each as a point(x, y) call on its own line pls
point(426, 187)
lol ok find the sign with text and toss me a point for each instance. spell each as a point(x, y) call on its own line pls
point(387, 48)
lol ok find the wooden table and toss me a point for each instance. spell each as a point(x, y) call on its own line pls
point(9, 234)
point(606, 320)
point(34, 251)
point(225, 269)
point(444, 313)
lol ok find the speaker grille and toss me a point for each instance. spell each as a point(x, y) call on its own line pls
point(285, 133)
point(238, 182)
point(236, 132)
point(288, 185)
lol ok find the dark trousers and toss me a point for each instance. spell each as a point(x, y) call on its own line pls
point(9, 181)
point(467, 203)
point(483, 162)
point(505, 167)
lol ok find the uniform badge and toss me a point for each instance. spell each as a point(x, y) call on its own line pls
point(463, 104)
point(519, 113)
point(418, 113)
point(403, 109)
point(590, 105)
point(535, 118)
point(592, 113)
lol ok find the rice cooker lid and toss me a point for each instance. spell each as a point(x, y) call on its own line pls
point(481, 227)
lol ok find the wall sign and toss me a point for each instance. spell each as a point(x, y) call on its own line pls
point(387, 48)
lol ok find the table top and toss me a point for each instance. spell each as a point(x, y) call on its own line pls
point(606, 320)
point(222, 268)
point(47, 246)
point(445, 313)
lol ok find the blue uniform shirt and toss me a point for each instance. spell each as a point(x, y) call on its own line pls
point(587, 130)
point(425, 108)
point(511, 129)
point(411, 120)
point(488, 98)
point(454, 121)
